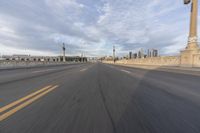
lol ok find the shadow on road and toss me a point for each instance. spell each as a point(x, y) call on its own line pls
point(151, 101)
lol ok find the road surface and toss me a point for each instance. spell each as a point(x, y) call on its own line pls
point(98, 98)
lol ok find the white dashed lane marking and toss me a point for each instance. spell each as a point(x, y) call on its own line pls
point(83, 69)
point(40, 71)
point(125, 71)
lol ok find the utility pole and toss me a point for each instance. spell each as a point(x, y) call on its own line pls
point(114, 54)
point(64, 60)
point(193, 39)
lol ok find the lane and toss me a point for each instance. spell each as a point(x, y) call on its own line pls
point(11, 112)
point(100, 98)
point(184, 82)
point(171, 69)
point(6, 107)
point(12, 90)
point(163, 101)
point(10, 75)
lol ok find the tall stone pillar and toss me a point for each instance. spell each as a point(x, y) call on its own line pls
point(193, 40)
point(187, 56)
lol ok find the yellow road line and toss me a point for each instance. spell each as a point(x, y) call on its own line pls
point(23, 99)
point(21, 106)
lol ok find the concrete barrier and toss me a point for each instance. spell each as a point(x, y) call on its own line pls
point(155, 61)
point(27, 64)
point(174, 61)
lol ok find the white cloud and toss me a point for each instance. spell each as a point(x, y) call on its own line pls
point(12, 50)
point(178, 44)
point(128, 24)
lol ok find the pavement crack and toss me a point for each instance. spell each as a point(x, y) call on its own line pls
point(106, 108)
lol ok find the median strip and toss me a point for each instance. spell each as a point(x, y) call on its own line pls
point(26, 103)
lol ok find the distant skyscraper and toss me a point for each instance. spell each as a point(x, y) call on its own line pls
point(155, 53)
point(135, 55)
point(141, 54)
point(152, 53)
point(149, 53)
point(130, 55)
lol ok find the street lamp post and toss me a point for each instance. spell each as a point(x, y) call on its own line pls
point(114, 54)
point(187, 55)
point(64, 60)
point(193, 39)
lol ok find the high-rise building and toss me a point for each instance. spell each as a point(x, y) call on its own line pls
point(148, 53)
point(155, 53)
point(130, 55)
point(135, 55)
point(141, 54)
point(152, 53)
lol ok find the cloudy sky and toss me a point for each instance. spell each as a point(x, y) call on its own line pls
point(39, 27)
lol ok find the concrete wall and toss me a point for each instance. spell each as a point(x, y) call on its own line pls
point(157, 61)
point(196, 60)
point(19, 64)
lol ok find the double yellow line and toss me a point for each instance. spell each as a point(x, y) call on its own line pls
point(23, 102)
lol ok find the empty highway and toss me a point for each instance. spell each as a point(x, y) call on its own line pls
point(99, 98)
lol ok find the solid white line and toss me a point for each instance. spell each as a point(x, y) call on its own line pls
point(125, 71)
point(39, 71)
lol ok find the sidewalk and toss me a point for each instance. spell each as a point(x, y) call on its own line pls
point(174, 69)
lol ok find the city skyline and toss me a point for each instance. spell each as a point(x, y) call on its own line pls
point(92, 27)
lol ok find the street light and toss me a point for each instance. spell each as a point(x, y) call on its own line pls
point(187, 55)
point(83, 43)
point(193, 40)
point(63, 52)
point(187, 1)
point(114, 54)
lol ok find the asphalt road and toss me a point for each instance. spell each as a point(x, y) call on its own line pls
point(98, 98)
